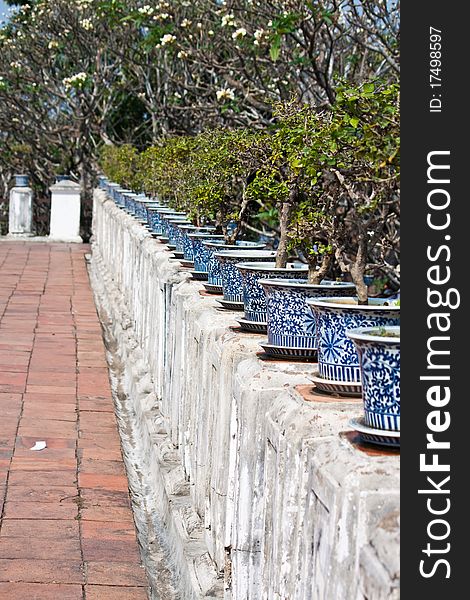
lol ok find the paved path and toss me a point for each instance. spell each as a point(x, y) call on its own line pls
point(66, 528)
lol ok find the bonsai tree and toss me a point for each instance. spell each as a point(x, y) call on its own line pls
point(353, 165)
point(290, 183)
point(121, 165)
point(213, 181)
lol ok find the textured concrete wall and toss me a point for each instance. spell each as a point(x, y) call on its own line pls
point(253, 489)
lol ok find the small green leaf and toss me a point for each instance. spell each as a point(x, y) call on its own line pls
point(275, 49)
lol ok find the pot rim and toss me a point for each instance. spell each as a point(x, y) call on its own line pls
point(303, 283)
point(363, 334)
point(377, 303)
point(209, 236)
point(252, 246)
point(247, 266)
point(243, 253)
point(166, 210)
point(191, 226)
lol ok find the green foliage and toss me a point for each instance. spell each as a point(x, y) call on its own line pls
point(329, 178)
point(121, 164)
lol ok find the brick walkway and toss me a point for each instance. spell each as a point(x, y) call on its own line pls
point(66, 528)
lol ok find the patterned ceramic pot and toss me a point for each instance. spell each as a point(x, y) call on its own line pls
point(129, 202)
point(232, 280)
point(200, 253)
point(254, 297)
point(141, 204)
point(337, 356)
point(174, 218)
point(172, 229)
point(379, 361)
point(214, 276)
point(184, 243)
point(290, 323)
point(161, 213)
point(119, 196)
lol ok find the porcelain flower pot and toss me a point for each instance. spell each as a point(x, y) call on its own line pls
point(168, 221)
point(290, 323)
point(254, 296)
point(182, 239)
point(337, 356)
point(212, 264)
point(198, 252)
point(160, 214)
point(378, 351)
point(232, 280)
point(172, 229)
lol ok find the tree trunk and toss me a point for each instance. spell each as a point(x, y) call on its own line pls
point(357, 270)
point(315, 275)
point(286, 212)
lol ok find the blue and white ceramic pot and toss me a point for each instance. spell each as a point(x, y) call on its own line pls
point(290, 322)
point(337, 356)
point(172, 229)
point(214, 273)
point(161, 214)
point(197, 252)
point(232, 280)
point(118, 194)
point(200, 252)
point(168, 220)
point(183, 241)
point(254, 297)
point(378, 350)
point(142, 203)
point(129, 202)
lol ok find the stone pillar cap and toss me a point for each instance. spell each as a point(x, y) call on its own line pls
point(65, 185)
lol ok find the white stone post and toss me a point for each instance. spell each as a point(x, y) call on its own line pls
point(20, 215)
point(65, 212)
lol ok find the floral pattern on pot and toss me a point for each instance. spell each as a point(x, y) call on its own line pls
point(232, 279)
point(185, 244)
point(337, 356)
point(290, 323)
point(214, 273)
point(200, 252)
point(379, 359)
point(254, 297)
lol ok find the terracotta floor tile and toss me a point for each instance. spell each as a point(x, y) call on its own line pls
point(46, 571)
point(108, 592)
point(36, 548)
point(40, 478)
point(35, 493)
point(40, 528)
point(41, 591)
point(115, 573)
point(41, 510)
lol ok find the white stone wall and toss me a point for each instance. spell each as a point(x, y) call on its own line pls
point(253, 491)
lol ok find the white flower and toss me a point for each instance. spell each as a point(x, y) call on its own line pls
point(53, 44)
point(76, 81)
point(168, 38)
point(225, 94)
point(87, 24)
point(239, 33)
point(146, 10)
point(186, 23)
point(228, 21)
point(182, 54)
